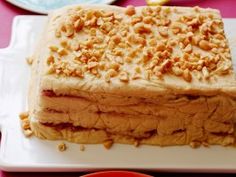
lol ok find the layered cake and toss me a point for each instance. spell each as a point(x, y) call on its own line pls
point(147, 75)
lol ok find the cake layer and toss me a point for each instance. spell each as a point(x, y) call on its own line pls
point(139, 125)
point(94, 136)
point(209, 114)
point(150, 52)
point(220, 108)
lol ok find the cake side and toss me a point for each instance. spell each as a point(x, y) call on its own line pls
point(148, 52)
point(94, 136)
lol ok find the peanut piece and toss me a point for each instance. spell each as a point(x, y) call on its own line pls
point(205, 45)
point(69, 30)
point(78, 25)
point(187, 76)
point(128, 59)
point(188, 48)
point(50, 60)
point(163, 31)
point(108, 144)
point(205, 72)
point(136, 76)
point(116, 39)
point(130, 10)
point(62, 52)
point(62, 147)
point(53, 48)
point(194, 144)
point(124, 76)
point(177, 71)
point(141, 28)
point(147, 20)
point(25, 124)
point(92, 65)
point(29, 60)
point(24, 115)
point(112, 72)
point(114, 66)
point(136, 143)
point(28, 132)
point(82, 147)
point(160, 46)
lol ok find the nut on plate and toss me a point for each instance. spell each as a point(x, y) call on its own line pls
point(29, 60)
point(24, 115)
point(82, 147)
point(62, 147)
point(108, 144)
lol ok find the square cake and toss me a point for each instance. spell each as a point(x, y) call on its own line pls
point(135, 75)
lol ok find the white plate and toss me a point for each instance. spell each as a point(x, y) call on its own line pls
point(18, 153)
point(45, 6)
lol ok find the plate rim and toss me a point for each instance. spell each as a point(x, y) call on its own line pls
point(43, 12)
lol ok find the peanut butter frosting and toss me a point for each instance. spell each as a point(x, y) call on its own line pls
point(133, 50)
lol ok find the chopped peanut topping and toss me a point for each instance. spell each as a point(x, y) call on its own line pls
point(92, 65)
point(112, 72)
point(130, 10)
point(177, 71)
point(163, 31)
point(124, 76)
point(187, 76)
point(205, 72)
point(58, 33)
point(205, 45)
point(161, 46)
point(136, 19)
point(128, 59)
point(69, 30)
point(114, 66)
point(64, 44)
point(136, 76)
point(116, 39)
point(78, 25)
point(62, 52)
point(188, 48)
point(53, 48)
point(148, 20)
point(148, 75)
point(107, 77)
point(51, 69)
point(142, 28)
point(165, 66)
point(138, 69)
point(159, 40)
point(50, 60)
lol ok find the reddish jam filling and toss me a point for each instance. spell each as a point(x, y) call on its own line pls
point(48, 93)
